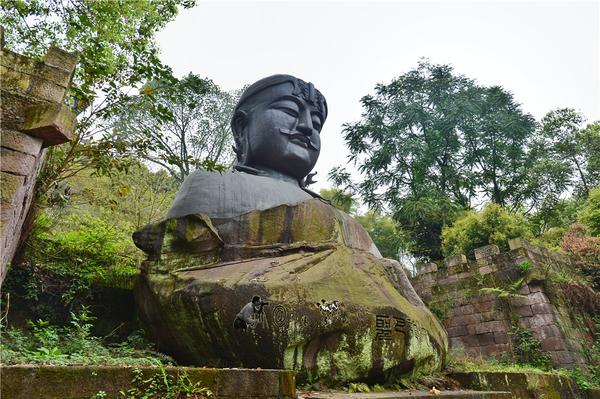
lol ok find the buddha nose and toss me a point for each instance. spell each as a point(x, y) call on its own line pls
point(305, 125)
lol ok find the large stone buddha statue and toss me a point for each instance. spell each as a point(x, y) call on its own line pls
point(249, 268)
point(276, 126)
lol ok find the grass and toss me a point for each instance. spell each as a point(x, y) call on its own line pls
point(459, 363)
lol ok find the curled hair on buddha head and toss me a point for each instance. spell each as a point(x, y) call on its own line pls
point(300, 88)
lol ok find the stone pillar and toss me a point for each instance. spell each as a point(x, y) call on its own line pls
point(34, 117)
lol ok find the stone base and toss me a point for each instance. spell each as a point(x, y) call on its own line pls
point(523, 385)
point(84, 382)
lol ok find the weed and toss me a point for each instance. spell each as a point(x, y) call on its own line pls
point(439, 309)
point(165, 386)
point(525, 266)
point(497, 292)
point(582, 381)
point(358, 387)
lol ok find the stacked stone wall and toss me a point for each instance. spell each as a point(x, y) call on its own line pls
point(480, 302)
point(33, 117)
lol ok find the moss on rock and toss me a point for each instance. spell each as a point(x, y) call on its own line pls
point(337, 312)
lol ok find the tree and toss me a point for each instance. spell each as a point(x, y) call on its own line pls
point(407, 141)
point(385, 233)
point(137, 197)
point(183, 125)
point(343, 201)
point(495, 135)
point(429, 143)
point(117, 52)
point(560, 214)
point(562, 141)
point(407, 146)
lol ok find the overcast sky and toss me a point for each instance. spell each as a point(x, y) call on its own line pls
point(545, 53)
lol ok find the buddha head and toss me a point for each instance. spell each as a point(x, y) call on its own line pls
point(277, 125)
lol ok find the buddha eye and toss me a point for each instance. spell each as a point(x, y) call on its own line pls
point(316, 122)
point(289, 111)
point(289, 107)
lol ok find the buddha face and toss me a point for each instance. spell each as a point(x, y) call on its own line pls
point(282, 131)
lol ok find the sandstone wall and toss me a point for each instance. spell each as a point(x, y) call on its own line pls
point(481, 301)
point(33, 117)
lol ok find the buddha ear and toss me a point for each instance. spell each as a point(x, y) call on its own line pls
point(238, 123)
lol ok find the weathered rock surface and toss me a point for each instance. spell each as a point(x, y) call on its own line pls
point(336, 309)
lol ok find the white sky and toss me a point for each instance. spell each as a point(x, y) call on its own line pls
point(546, 53)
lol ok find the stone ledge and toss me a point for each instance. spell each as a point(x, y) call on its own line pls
point(486, 251)
point(53, 123)
point(47, 80)
point(60, 58)
point(455, 260)
point(83, 382)
point(521, 385)
point(424, 268)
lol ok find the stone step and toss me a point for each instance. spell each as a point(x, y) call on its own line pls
point(407, 394)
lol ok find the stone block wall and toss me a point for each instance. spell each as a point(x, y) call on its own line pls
point(480, 301)
point(33, 117)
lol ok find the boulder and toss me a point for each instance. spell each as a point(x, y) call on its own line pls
point(333, 309)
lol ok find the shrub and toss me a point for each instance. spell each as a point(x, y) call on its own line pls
point(45, 343)
point(86, 246)
point(551, 238)
point(585, 252)
point(528, 350)
point(66, 259)
point(589, 215)
point(493, 225)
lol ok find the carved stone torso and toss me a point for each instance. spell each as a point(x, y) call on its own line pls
point(232, 193)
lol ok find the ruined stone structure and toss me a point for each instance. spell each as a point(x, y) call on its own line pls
point(33, 118)
point(480, 302)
